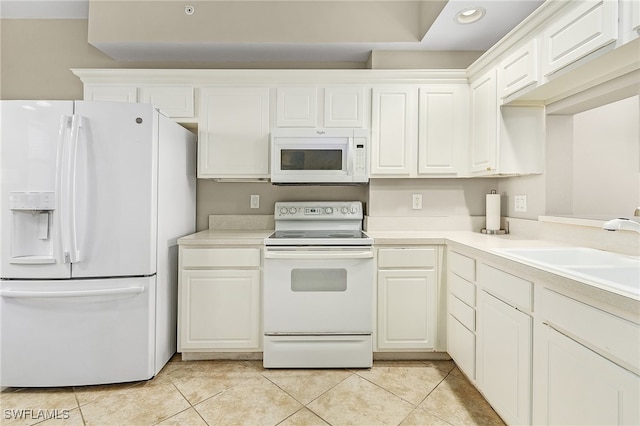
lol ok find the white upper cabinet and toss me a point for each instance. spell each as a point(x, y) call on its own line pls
point(233, 133)
point(519, 69)
point(110, 93)
point(629, 11)
point(172, 101)
point(394, 131)
point(296, 107)
point(442, 128)
point(339, 106)
point(483, 137)
point(507, 140)
point(344, 106)
point(588, 27)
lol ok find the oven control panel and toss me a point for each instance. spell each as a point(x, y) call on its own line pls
point(324, 210)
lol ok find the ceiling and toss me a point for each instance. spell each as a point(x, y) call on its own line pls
point(438, 32)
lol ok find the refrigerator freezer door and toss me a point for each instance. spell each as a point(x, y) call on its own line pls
point(115, 196)
point(30, 173)
point(76, 332)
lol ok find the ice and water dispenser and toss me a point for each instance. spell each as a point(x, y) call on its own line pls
point(32, 225)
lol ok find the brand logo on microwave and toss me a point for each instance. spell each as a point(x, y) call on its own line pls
point(320, 132)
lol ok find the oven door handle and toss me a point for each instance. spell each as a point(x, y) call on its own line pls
point(339, 255)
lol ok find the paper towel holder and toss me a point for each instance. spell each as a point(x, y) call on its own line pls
point(494, 231)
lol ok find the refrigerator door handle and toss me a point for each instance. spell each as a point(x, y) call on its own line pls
point(61, 183)
point(73, 254)
point(125, 291)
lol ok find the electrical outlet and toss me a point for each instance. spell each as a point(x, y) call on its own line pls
point(520, 203)
point(255, 201)
point(416, 201)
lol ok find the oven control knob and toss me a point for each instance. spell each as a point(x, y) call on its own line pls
point(284, 210)
point(344, 210)
point(292, 210)
point(328, 210)
point(354, 209)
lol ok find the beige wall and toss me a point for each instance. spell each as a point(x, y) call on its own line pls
point(36, 55)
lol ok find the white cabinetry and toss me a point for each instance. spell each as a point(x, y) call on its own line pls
point(219, 299)
point(578, 379)
point(504, 140)
point(592, 24)
point(394, 131)
point(174, 101)
point(519, 69)
point(504, 352)
point(339, 106)
point(110, 93)
point(461, 318)
point(407, 299)
point(484, 131)
point(442, 128)
point(418, 131)
point(233, 133)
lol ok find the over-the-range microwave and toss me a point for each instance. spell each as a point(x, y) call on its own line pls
point(319, 156)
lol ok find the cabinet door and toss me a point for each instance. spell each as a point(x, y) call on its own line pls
point(442, 128)
point(505, 358)
point(406, 309)
point(110, 93)
point(344, 106)
point(577, 386)
point(234, 133)
point(590, 26)
point(297, 107)
point(484, 119)
point(172, 101)
point(519, 69)
point(219, 309)
point(461, 345)
point(393, 131)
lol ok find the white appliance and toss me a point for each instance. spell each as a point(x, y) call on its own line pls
point(318, 287)
point(92, 200)
point(319, 156)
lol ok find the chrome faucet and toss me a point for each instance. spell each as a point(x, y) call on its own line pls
point(623, 223)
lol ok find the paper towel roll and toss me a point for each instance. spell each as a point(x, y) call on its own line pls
point(493, 212)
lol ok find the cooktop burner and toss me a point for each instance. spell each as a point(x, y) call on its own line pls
point(318, 223)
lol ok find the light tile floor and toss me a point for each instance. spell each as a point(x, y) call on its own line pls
point(243, 393)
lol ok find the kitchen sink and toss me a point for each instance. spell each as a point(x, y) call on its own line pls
point(603, 268)
point(565, 256)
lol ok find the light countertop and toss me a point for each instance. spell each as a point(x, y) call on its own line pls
point(226, 237)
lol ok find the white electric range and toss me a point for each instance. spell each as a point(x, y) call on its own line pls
point(318, 287)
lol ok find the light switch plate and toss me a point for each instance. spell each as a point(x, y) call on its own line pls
point(416, 201)
point(255, 201)
point(520, 203)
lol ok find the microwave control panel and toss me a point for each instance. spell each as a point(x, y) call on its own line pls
point(360, 156)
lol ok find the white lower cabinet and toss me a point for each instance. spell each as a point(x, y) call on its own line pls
point(504, 356)
point(461, 312)
point(576, 386)
point(407, 299)
point(219, 300)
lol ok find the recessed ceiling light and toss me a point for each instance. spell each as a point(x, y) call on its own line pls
point(470, 15)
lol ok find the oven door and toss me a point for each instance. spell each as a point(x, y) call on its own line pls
point(318, 290)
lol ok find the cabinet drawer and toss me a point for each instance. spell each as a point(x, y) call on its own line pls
point(461, 345)
point(462, 289)
point(594, 327)
point(463, 266)
point(406, 258)
point(462, 312)
point(220, 257)
point(509, 288)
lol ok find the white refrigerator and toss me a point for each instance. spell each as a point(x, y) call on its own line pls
point(93, 197)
